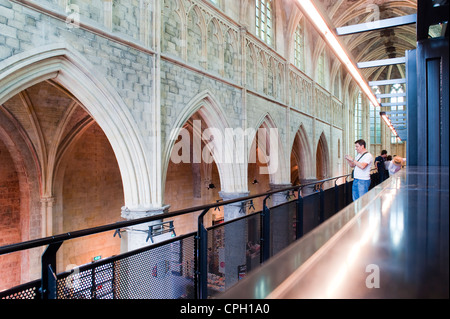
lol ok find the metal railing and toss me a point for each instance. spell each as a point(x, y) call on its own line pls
point(195, 265)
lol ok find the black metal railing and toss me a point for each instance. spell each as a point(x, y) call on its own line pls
point(193, 266)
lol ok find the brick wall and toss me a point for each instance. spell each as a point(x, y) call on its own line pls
point(9, 218)
point(92, 196)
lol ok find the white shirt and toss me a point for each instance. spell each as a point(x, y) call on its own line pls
point(394, 168)
point(363, 173)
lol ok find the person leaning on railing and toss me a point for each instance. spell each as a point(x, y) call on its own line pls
point(395, 165)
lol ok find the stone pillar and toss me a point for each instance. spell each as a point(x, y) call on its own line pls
point(144, 276)
point(281, 197)
point(47, 203)
point(235, 238)
point(307, 190)
point(233, 211)
point(135, 236)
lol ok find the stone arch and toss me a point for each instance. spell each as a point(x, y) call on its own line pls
point(278, 174)
point(210, 111)
point(214, 46)
point(297, 18)
point(322, 158)
point(261, 72)
point(102, 102)
point(174, 17)
point(302, 163)
point(23, 222)
point(251, 65)
point(196, 35)
point(230, 54)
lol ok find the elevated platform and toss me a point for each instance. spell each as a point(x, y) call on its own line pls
point(391, 243)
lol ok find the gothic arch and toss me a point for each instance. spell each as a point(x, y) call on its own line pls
point(210, 111)
point(322, 158)
point(278, 173)
point(102, 102)
point(302, 156)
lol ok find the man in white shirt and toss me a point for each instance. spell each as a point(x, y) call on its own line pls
point(362, 164)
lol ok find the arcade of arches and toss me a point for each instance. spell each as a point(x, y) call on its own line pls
point(90, 116)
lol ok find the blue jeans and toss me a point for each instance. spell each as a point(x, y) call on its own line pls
point(359, 188)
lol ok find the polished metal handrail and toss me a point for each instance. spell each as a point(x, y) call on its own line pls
point(121, 224)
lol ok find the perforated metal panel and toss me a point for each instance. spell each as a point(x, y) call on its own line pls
point(233, 251)
point(164, 272)
point(95, 283)
point(30, 292)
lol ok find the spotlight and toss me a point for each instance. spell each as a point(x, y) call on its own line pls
point(211, 186)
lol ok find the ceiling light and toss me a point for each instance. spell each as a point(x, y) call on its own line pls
point(310, 10)
point(389, 124)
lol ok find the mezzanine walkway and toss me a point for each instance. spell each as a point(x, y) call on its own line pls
point(395, 244)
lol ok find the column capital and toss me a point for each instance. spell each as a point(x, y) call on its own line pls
point(235, 210)
point(233, 195)
point(130, 213)
point(275, 187)
point(281, 197)
point(48, 199)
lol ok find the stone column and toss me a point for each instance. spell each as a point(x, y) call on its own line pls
point(235, 238)
point(307, 190)
point(135, 236)
point(47, 203)
point(281, 197)
point(144, 275)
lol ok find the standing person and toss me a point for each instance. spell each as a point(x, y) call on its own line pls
point(362, 164)
point(386, 165)
point(379, 164)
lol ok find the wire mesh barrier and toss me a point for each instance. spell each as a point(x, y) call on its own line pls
point(163, 272)
point(283, 226)
point(233, 250)
point(29, 290)
point(196, 265)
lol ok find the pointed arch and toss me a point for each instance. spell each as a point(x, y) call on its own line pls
point(302, 155)
point(101, 101)
point(196, 35)
point(266, 133)
point(322, 158)
point(173, 17)
point(210, 111)
point(214, 46)
point(251, 67)
point(230, 54)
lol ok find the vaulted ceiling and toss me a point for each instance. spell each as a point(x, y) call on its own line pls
point(377, 44)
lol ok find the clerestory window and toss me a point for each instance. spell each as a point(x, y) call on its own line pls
point(299, 53)
point(264, 23)
point(358, 117)
point(375, 120)
point(400, 106)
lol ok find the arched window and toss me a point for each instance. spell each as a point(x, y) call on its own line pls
point(358, 117)
point(264, 21)
point(299, 45)
point(337, 84)
point(375, 120)
point(399, 100)
point(321, 69)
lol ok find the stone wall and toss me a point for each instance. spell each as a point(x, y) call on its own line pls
point(141, 69)
point(9, 217)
